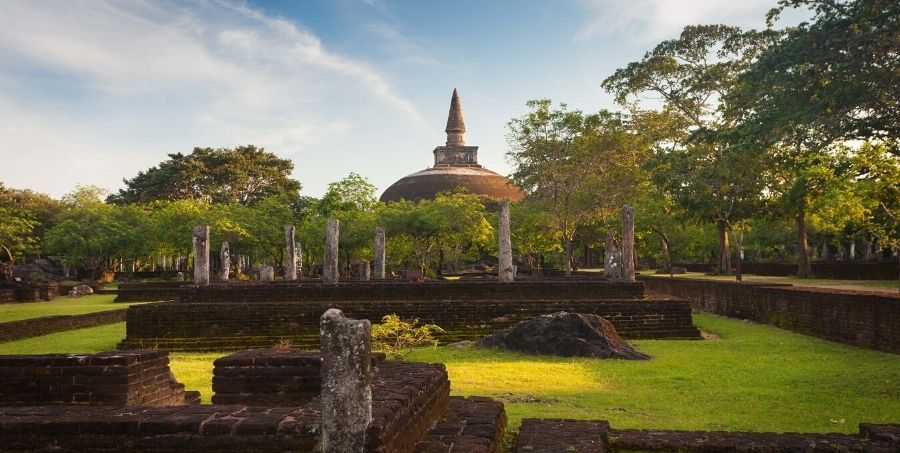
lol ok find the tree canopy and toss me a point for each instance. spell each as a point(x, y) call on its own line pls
point(244, 175)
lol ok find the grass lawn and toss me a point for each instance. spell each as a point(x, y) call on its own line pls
point(63, 305)
point(755, 377)
point(866, 285)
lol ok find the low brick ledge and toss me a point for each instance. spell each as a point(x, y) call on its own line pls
point(35, 327)
point(473, 425)
point(538, 435)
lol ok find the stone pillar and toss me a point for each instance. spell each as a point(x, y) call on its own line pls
point(290, 268)
point(825, 255)
point(612, 263)
point(364, 271)
point(330, 272)
point(346, 382)
point(200, 238)
point(380, 255)
point(505, 273)
point(628, 243)
point(266, 273)
point(224, 262)
point(852, 256)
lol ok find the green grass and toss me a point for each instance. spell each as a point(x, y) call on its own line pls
point(63, 305)
point(756, 378)
point(868, 285)
point(90, 339)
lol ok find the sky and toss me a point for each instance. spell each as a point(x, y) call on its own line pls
point(93, 91)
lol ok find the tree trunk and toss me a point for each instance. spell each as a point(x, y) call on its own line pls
point(724, 249)
point(804, 269)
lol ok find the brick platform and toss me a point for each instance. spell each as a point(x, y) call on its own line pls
point(108, 378)
point(285, 291)
point(240, 325)
point(407, 399)
point(539, 435)
point(468, 425)
point(269, 377)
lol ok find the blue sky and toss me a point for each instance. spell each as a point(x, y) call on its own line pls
point(93, 91)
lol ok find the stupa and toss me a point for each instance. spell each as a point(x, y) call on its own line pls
point(455, 166)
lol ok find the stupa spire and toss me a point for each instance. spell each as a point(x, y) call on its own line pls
point(456, 126)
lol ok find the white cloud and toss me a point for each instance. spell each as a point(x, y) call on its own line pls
point(655, 20)
point(118, 80)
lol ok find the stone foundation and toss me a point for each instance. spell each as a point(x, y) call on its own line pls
point(540, 435)
point(240, 325)
point(138, 378)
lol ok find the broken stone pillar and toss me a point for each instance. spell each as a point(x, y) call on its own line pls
point(628, 243)
point(612, 263)
point(290, 261)
point(200, 239)
point(364, 271)
point(224, 262)
point(380, 255)
point(852, 256)
point(826, 256)
point(505, 273)
point(266, 273)
point(330, 273)
point(346, 382)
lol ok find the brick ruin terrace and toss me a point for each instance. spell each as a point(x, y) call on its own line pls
point(274, 404)
point(244, 315)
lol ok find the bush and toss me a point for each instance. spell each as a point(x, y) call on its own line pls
point(395, 337)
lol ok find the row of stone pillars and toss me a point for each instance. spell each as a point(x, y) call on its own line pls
point(618, 264)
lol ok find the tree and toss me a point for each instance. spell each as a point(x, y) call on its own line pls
point(90, 232)
point(16, 237)
point(835, 75)
point(816, 86)
point(245, 175)
point(691, 76)
point(582, 166)
point(451, 226)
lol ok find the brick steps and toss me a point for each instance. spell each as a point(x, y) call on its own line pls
point(467, 425)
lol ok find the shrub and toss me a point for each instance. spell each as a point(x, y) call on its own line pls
point(395, 337)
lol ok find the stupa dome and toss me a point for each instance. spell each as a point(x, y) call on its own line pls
point(455, 166)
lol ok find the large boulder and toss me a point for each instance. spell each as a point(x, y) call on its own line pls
point(564, 334)
point(83, 290)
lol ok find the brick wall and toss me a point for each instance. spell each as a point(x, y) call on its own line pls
point(407, 399)
point(241, 325)
point(596, 435)
point(555, 289)
point(136, 378)
point(41, 326)
point(870, 320)
point(844, 270)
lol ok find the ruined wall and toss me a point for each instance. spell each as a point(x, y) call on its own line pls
point(241, 325)
point(407, 399)
point(844, 270)
point(137, 378)
point(596, 435)
point(870, 320)
point(558, 289)
point(41, 326)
